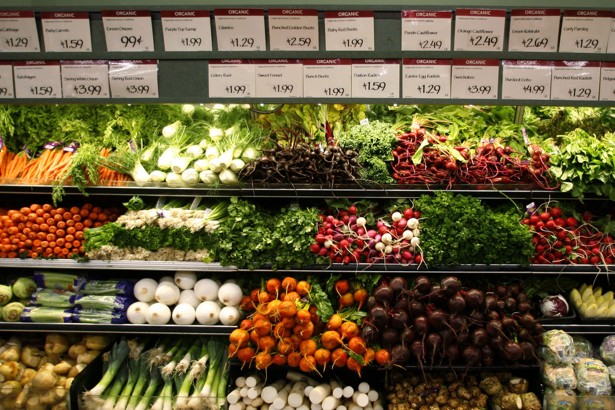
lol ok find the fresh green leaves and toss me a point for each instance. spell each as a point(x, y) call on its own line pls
point(458, 229)
point(585, 164)
point(374, 142)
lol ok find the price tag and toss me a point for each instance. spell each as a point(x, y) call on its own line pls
point(240, 29)
point(607, 82)
point(534, 30)
point(279, 78)
point(327, 78)
point(349, 30)
point(133, 78)
point(475, 79)
point(85, 79)
point(611, 45)
point(426, 78)
point(293, 29)
point(6, 80)
point(18, 32)
point(479, 29)
point(585, 31)
point(128, 30)
point(526, 80)
point(186, 30)
point(575, 80)
point(375, 78)
point(66, 32)
point(232, 78)
point(37, 79)
point(426, 30)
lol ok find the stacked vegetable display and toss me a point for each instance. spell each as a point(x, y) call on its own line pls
point(184, 299)
point(37, 372)
point(184, 373)
point(46, 231)
point(561, 238)
point(347, 236)
point(431, 324)
point(576, 373)
point(297, 391)
point(15, 296)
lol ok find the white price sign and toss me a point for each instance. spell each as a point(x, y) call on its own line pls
point(534, 30)
point(128, 30)
point(426, 78)
point(18, 32)
point(475, 79)
point(133, 78)
point(327, 78)
point(6, 80)
point(37, 79)
point(240, 29)
point(607, 82)
point(479, 29)
point(575, 80)
point(426, 30)
point(279, 78)
point(293, 29)
point(585, 31)
point(611, 45)
point(186, 30)
point(526, 80)
point(349, 30)
point(375, 78)
point(85, 79)
point(232, 79)
point(66, 32)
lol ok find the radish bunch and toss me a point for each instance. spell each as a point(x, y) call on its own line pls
point(561, 238)
point(346, 236)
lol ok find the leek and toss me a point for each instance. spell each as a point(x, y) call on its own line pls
point(134, 372)
point(216, 352)
point(142, 380)
point(118, 355)
point(152, 389)
point(113, 393)
point(196, 371)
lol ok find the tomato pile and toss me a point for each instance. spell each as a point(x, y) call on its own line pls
point(345, 236)
point(560, 238)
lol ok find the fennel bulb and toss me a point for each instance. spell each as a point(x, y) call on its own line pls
point(170, 130)
point(190, 176)
point(179, 164)
point(228, 177)
point(140, 174)
point(208, 177)
point(201, 164)
point(165, 160)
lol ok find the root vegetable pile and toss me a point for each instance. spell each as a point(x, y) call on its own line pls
point(345, 236)
point(37, 373)
point(444, 323)
point(421, 158)
point(48, 232)
point(302, 163)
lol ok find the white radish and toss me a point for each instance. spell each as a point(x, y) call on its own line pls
point(145, 290)
point(237, 406)
point(158, 314)
point(240, 381)
point(229, 315)
point(315, 406)
point(234, 396)
point(348, 392)
point(208, 313)
point(415, 241)
point(363, 387)
point(269, 393)
point(257, 402)
point(167, 293)
point(341, 407)
point(254, 392)
point(296, 396)
point(253, 380)
point(230, 294)
point(318, 394)
point(295, 376)
point(373, 395)
point(412, 223)
point(188, 296)
point(303, 407)
point(360, 399)
point(337, 390)
point(330, 403)
point(184, 314)
point(206, 289)
point(136, 313)
point(280, 401)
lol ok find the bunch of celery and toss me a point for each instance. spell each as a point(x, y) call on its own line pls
point(189, 373)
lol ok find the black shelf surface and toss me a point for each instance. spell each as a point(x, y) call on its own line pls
point(147, 266)
point(583, 328)
point(299, 191)
point(194, 330)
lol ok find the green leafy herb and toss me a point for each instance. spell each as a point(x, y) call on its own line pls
point(320, 299)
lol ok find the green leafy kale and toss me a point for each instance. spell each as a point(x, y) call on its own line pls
point(374, 142)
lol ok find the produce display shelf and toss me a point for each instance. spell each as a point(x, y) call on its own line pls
point(583, 328)
point(192, 330)
point(299, 191)
point(126, 265)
